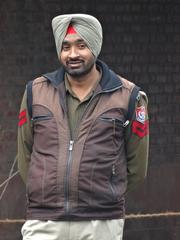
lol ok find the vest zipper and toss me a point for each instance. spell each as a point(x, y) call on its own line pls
point(67, 175)
point(69, 162)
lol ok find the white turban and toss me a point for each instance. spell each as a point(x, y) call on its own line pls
point(86, 26)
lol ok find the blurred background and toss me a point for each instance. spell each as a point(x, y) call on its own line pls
point(142, 44)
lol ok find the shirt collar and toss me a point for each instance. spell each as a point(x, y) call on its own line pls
point(70, 91)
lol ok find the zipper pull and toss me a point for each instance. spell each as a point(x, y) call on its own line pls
point(71, 145)
point(126, 123)
point(113, 170)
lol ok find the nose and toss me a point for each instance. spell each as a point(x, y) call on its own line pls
point(73, 53)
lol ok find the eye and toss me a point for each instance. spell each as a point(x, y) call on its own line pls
point(65, 47)
point(82, 45)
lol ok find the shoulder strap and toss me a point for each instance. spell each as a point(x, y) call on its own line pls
point(29, 97)
point(132, 102)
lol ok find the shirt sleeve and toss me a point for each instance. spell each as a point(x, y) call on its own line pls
point(137, 143)
point(25, 139)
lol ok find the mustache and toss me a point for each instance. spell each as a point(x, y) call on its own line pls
point(75, 60)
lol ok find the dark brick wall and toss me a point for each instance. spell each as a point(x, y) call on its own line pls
point(141, 43)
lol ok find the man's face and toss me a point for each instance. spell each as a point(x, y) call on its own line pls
point(75, 56)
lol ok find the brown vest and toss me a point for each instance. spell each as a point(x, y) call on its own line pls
point(82, 178)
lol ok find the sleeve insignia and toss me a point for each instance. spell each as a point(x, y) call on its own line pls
point(141, 130)
point(140, 114)
point(22, 118)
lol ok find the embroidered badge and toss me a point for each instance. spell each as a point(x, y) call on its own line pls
point(140, 114)
point(22, 118)
point(141, 130)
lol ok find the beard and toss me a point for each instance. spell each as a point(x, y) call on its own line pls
point(78, 71)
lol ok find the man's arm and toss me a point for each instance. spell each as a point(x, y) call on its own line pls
point(137, 143)
point(25, 139)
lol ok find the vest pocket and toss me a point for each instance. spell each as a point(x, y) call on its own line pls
point(113, 126)
point(112, 184)
point(42, 176)
point(114, 121)
point(45, 131)
point(41, 186)
point(41, 117)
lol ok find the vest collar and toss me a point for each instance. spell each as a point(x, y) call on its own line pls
point(108, 82)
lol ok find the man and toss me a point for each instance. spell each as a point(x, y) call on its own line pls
point(80, 152)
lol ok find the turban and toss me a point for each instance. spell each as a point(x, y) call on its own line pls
point(86, 26)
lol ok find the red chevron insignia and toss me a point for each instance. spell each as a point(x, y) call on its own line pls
point(140, 129)
point(22, 118)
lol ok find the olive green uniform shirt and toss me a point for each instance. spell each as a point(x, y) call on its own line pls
point(76, 107)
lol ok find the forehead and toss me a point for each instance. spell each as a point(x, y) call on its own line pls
point(72, 38)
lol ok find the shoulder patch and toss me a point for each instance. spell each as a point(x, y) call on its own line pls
point(22, 118)
point(141, 114)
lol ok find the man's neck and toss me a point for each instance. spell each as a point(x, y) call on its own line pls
point(82, 86)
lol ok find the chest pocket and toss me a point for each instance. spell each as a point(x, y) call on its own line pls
point(113, 127)
point(41, 117)
point(115, 123)
point(107, 133)
point(45, 130)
